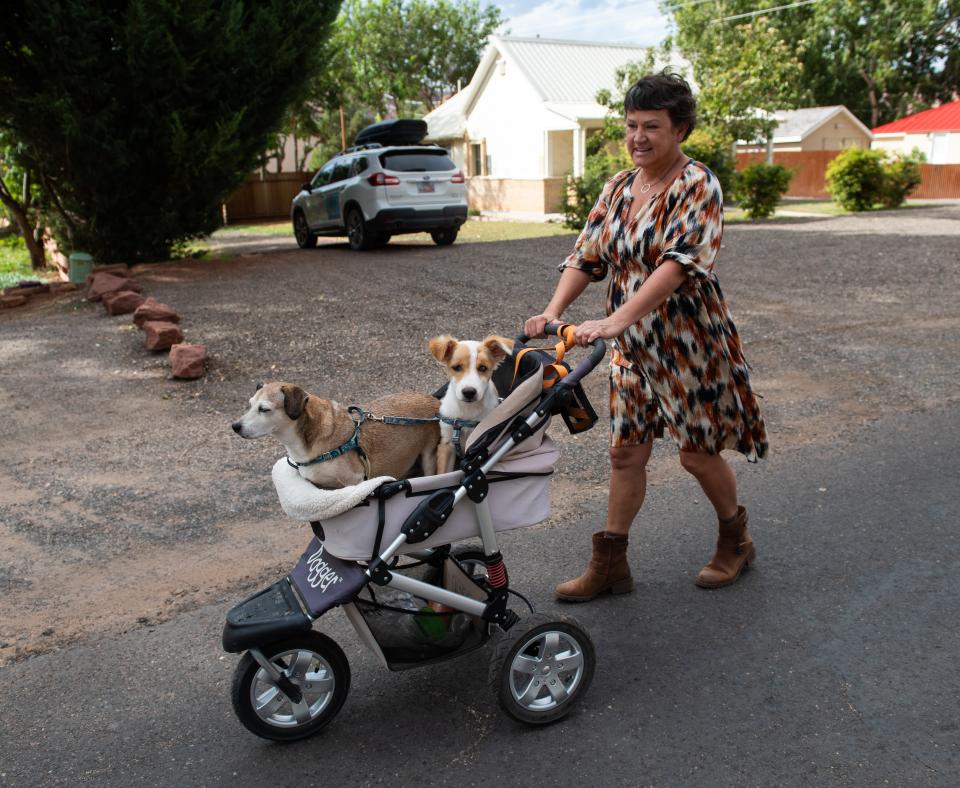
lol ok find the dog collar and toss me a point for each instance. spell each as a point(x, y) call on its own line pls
point(358, 417)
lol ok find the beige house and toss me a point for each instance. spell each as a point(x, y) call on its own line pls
point(522, 123)
point(814, 128)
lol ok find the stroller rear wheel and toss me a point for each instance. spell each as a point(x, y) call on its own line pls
point(313, 664)
point(542, 668)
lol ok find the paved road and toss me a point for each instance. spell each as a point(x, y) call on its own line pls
point(832, 662)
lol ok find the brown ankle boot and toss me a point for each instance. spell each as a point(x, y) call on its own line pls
point(735, 552)
point(607, 571)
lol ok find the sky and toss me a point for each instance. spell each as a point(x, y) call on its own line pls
point(607, 21)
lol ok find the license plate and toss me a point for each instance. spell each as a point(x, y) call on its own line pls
point(425, 188)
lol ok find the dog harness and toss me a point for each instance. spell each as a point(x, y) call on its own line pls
point(353, 444)
point(458, 425)
point(359, 416)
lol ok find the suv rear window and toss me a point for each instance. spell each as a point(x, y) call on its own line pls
point(417, 161)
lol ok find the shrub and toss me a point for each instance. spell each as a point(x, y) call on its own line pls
point(715, 149)
point(855, 179)
point(860, 179)
point(581, 193)
point(901, 176)
point(759, 187)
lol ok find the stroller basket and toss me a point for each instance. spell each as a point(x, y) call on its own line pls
point(409, 631)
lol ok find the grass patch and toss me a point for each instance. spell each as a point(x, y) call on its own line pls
point(263, 228)
point(823, 207)
point(473, 231)
point(480, 231)
point(15, 262)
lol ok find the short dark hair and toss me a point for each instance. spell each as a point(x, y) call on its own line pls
point(668, 91)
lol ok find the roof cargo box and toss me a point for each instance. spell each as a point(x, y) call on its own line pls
point(402, 131)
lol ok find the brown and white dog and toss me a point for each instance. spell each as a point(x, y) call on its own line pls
point(309, 427)
point(471, 394)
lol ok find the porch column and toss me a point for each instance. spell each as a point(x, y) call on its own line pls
point(547, 156)
point(579, 150)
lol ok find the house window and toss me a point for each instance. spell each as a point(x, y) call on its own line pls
point(476, 158)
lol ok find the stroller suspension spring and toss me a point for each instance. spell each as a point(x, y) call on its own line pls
point(496, 571)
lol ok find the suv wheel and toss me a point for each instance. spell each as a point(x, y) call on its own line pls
point(445, 237)
point(359, 235)
point(305, 238)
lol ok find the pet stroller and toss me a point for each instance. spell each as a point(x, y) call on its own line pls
point(412, 597)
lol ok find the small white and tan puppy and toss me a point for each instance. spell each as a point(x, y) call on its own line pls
point(310, 427)
point(471, 394)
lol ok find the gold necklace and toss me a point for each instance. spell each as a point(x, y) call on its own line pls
point(645, 187)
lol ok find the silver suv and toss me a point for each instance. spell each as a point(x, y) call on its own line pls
point(372, 192)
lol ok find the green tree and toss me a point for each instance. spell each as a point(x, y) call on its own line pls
point(881, 58)
point(141, 116)
point(743, 68)
point(405, 56)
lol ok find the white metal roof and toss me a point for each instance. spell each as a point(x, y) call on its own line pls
point(567, 75)
point(570, 72)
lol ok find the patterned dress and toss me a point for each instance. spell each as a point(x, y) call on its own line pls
point(681, 367)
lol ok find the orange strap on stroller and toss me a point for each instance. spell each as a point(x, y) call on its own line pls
point(555, 371)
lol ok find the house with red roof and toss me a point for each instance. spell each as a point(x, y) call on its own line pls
point(935, 132)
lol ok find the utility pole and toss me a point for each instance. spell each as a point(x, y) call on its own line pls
point(343, 131)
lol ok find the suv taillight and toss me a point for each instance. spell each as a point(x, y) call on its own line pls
point(382, 179)
point(457, 177)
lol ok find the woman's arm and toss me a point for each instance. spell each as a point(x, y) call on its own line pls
point(653, 292)
point(573, 282)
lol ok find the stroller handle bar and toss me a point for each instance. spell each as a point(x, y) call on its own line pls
point(565, 332)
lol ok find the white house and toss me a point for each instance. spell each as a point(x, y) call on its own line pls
point(935, 132)
point(522, 123)
point(814, 128)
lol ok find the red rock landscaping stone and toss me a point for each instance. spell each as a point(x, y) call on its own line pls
point(108, 283)
point(187, 361)
point(122, 302)
point(162, 335)
point(63, 287)
point(117, 269)
point(10, 301)
point(151, 309)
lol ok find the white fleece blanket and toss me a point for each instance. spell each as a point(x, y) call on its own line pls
point(301, 500)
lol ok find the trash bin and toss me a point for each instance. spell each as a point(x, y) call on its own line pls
point(80, 266)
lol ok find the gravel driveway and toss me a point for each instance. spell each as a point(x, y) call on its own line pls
point(125, 497)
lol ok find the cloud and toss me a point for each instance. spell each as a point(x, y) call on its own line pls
point(604, 21)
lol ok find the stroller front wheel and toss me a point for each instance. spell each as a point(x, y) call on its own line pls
point(542, 668)
point(315, 665)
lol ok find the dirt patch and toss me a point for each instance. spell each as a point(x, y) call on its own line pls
point(125, 497)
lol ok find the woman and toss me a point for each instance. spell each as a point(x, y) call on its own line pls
point(677, 364)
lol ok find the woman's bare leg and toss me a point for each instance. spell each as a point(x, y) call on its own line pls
point(608, 570)
point(628, 485)
point(716, 478)
point(735, 550)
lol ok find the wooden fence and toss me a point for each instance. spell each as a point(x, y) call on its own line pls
point(940, 181)
point(268, 196)
point(263, 197)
